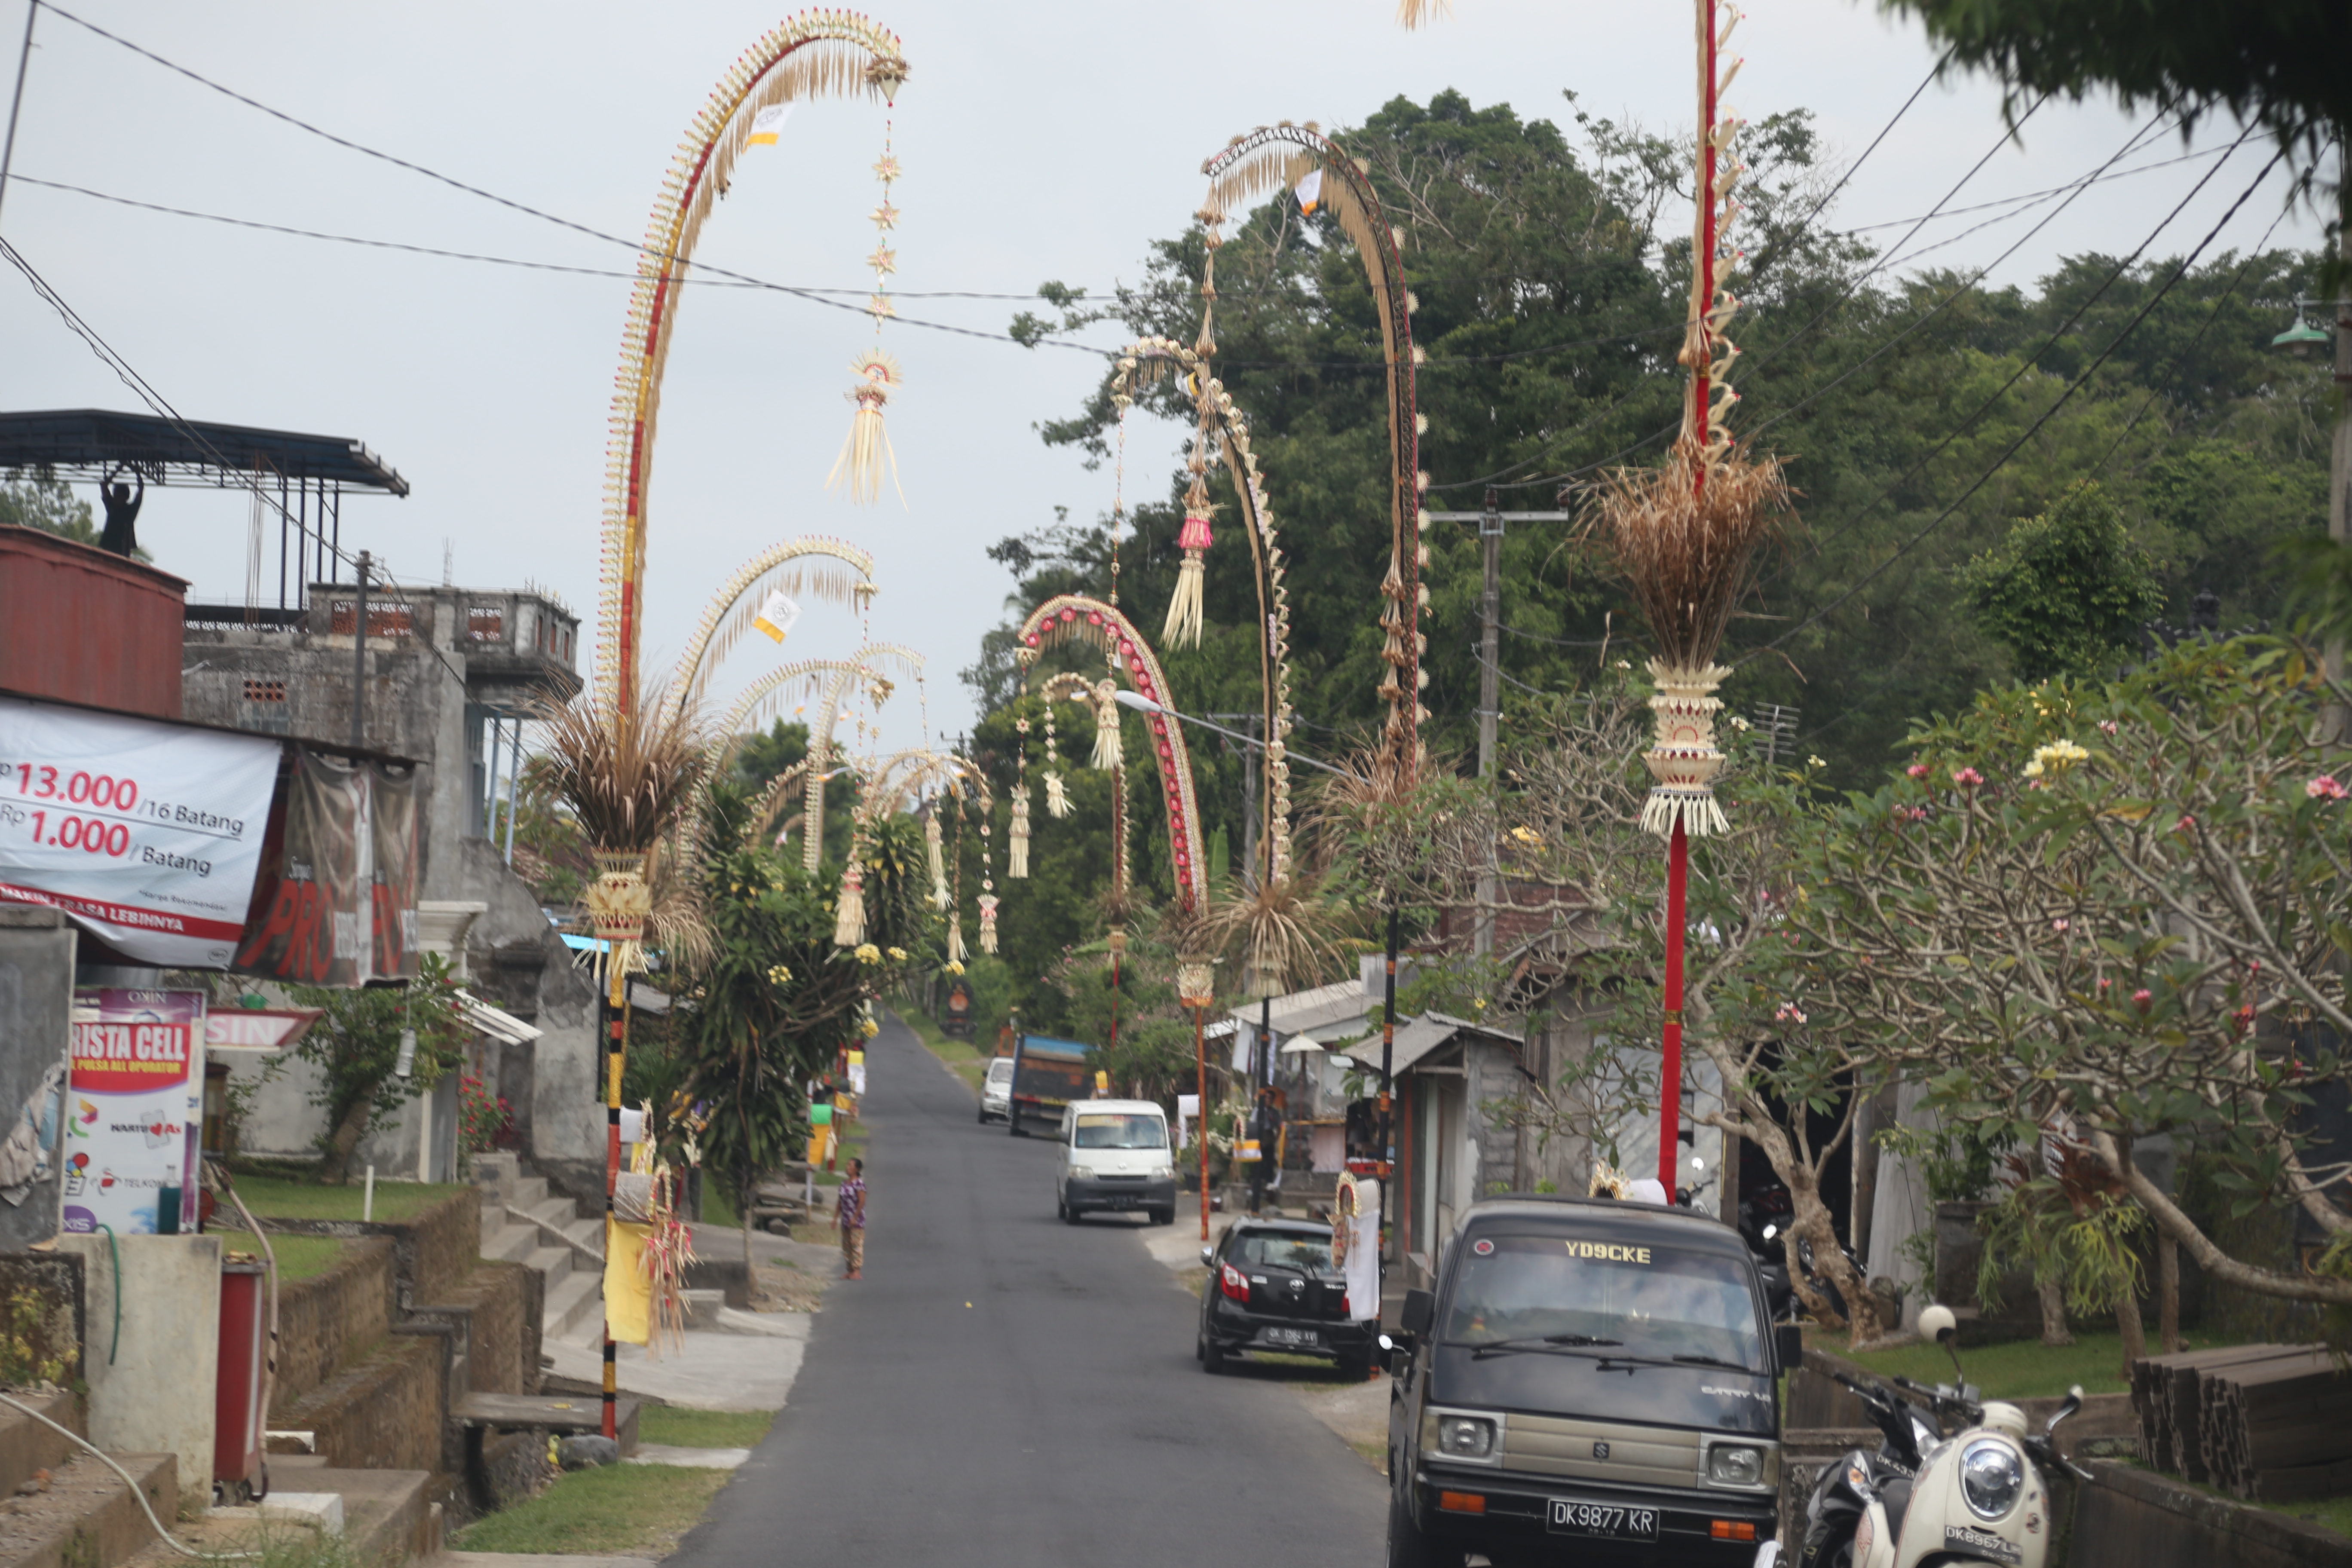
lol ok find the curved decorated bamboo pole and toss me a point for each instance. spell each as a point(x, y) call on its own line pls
point(820, 749)
point(1141, 362)
point(737, 602)
point(750, 707)
point(902, 774)
point(1277, 157)
point(1078, 615)
point(817, 54)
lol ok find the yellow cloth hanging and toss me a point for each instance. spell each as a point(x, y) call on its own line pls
point(628, 1294)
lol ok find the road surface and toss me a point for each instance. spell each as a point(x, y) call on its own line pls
point(1004, 1389)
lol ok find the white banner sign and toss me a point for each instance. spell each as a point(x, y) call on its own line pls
point(147, 833)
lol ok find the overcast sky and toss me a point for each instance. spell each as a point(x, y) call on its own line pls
point(1045, 141)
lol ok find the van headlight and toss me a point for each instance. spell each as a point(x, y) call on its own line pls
point(1734, 1465)
point(1466, 1436)
point(1991, 1479)
point(1163, 1173)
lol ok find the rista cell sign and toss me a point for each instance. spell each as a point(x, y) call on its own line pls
point(134, 1112)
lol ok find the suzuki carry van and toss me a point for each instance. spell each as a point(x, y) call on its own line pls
point(1590, 1381)
point(1115, 1159)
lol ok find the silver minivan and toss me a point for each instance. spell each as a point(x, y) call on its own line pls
point(996, 1091)
point(1115, 1159)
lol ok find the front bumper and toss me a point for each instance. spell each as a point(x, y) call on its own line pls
point(1087, 1195)
point(1515, 1523)
point(995, 1110)
point(1235, 1328)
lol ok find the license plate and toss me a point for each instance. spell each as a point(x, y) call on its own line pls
point(1610, 1521)
point(1306, 1337)
point(1121, 1200)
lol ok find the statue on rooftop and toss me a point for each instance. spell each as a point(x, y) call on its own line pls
point(121, 512)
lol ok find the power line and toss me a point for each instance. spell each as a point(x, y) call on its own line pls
point(2073, 387)
point(1948, 301)
point(145, 391)
point(529, 211)
point(1499, 476)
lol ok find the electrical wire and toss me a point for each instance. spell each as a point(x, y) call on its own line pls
point(529, 211)
point(1500, 476)
point(156, 402)
point(2063, 398)
point(137, 1490)
point(1944, 304)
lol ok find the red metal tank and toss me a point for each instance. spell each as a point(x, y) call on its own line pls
point(84, 626)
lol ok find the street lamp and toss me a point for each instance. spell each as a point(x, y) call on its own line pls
point(1142, 704)
point(2298, 338)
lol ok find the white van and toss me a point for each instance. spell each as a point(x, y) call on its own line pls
point(1115, 1157)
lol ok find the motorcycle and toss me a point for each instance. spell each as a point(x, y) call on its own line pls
point(1956, 1478)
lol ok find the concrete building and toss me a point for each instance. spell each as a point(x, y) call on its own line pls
point(447, 677)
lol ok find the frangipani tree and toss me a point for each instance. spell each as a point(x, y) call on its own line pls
point(2105, 912)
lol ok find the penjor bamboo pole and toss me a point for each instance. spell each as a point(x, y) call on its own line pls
point(1200, 1103)
point(1670, 1071)
point(616, 1011)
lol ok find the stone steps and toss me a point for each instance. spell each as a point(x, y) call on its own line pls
point(580, 1298)
point(86, 1518)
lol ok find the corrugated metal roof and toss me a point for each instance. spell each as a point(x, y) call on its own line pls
point(1424, 1037)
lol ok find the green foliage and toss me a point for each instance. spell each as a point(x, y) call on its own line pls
point(2273, 62)
point(1567, 251)
point(2067, 591)
point(49, 505)
point(29, 1340)
point(356, 1046)
point(776, 998)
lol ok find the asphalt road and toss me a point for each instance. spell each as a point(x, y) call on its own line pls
point(1001, 1388)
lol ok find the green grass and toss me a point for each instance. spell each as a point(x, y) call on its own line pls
point(969, 1060)
point(2021, 1370)
point(299, 1257)
point(681, 1428)
point(284, 1198)
point(618, 1511)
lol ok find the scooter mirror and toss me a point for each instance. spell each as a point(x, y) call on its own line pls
point(1387, 1343)
point(1938, 1324)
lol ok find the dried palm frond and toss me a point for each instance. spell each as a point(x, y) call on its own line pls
point(1685, 537)
point(1414, 13)
point(1286, 934)
point(627, 777)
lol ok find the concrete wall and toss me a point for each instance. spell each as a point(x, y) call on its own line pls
point(283, 1122)
point(36, 976)
point(520, 964)
point(154, 1394)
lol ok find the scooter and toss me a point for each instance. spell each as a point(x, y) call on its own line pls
point(1974, 1496)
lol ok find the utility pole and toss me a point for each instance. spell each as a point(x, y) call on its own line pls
point(1490, 523)
point(1251, 875)
point(358, 659)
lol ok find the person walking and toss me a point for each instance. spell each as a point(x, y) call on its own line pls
point(849, 1219)
point(1265, 1126)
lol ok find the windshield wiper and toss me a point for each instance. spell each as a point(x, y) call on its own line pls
point(1540, 1342)
point(1610, 1361)
point(1713, 1361)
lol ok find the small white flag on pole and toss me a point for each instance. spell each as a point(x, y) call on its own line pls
point(767, 122)
point(776, 616)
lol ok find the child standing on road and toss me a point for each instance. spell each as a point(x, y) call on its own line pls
point(849, 1219)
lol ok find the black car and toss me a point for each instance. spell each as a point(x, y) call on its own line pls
point(1272, 1285)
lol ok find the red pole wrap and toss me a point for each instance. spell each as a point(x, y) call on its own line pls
point(1670, 1075)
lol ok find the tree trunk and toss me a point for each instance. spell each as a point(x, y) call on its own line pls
point(2053, 1313)
point(2167, 1295)
point(2134, 1333)
point(1809, 1220)
point(336, 1167)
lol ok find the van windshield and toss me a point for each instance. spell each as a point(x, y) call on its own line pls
point(1001, 1070)
point(1119, 1130)
point(1642, 1300)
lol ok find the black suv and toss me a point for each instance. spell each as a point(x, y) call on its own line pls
point(1272, 1285)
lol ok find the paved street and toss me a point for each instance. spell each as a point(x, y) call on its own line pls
point(1059, 1417)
